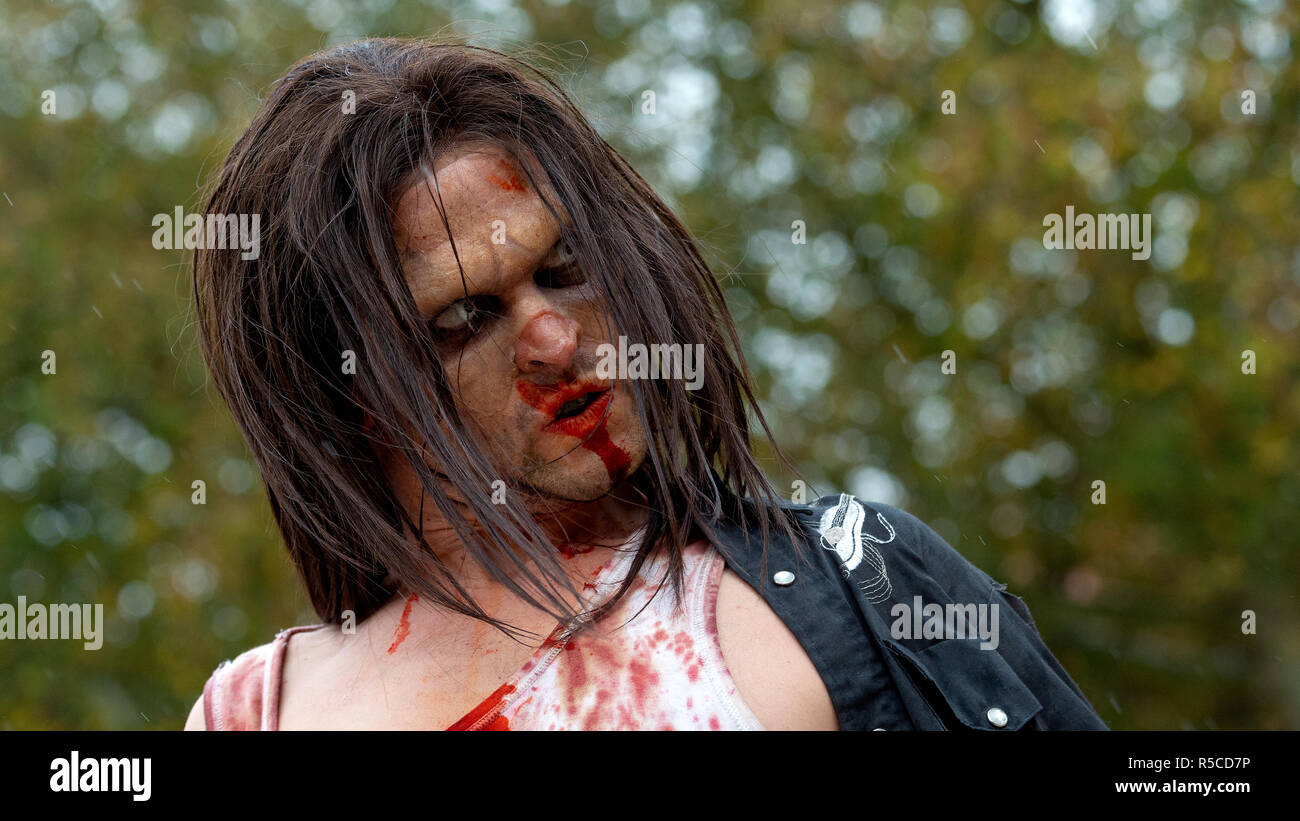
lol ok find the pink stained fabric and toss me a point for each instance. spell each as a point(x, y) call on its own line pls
point(244, 694)
point(662, 670)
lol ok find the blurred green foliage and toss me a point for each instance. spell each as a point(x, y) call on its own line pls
point(923, 236)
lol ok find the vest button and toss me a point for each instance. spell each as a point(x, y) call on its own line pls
point(997, 717)
point(784, 578)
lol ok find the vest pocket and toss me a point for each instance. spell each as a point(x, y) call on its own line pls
point(978, 688)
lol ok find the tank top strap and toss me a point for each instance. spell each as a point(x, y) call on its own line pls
point(244, 694)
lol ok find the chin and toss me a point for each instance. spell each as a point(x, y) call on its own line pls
point(560, 481)
point(580, 476)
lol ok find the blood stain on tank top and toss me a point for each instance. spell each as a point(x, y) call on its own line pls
point(683, 643)
point(643, 678)
point(486, 707)
point(553, 640)
point(593, 674)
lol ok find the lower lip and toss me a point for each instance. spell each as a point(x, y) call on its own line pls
point(585, 423)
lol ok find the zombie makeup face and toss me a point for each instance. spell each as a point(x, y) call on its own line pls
point(518, 334)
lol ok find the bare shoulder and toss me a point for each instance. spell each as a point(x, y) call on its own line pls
point(196, 720)
point(317, 673)
point(773, 673)
point(336, 680)
point(308, 649)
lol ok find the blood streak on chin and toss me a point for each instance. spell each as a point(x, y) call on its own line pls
point(615, 458)
point(403, 626)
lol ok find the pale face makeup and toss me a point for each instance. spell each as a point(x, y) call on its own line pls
point(520, 350)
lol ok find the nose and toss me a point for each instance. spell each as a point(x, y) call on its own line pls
point(547, 341)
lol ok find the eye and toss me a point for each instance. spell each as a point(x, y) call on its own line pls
point(464, 317)
point(560, 269)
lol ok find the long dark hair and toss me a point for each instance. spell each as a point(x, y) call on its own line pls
point(328, 280)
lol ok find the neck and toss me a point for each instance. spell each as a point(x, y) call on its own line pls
point(581, 532)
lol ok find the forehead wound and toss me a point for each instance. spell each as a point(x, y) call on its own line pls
point(474, 188)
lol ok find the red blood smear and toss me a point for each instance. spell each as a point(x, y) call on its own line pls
point(553, 640)
point(682, 643)
point(625, 718)
point(644, 678)
point(714, 724)
point(592, 720)
point(577, 670)
point(403, 626)
point(486, 707)
point(510, 183)
point(615, 458)
point(547, 399)
point(568, 551)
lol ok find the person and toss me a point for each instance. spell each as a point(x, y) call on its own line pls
point(498, 526)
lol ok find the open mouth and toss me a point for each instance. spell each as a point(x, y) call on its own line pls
point(581, 416)
point(576, 406)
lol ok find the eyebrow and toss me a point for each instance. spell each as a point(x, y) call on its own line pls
point(440, 284)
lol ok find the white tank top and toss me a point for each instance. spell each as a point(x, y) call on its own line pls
point(663, 670)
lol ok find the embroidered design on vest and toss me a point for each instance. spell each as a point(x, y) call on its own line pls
point(841, 532)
